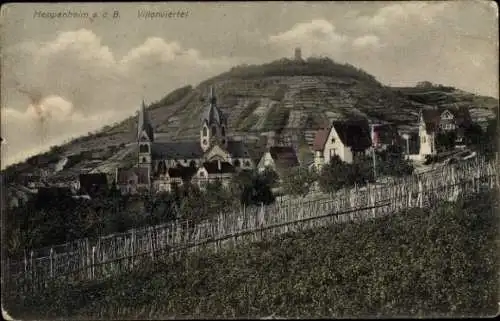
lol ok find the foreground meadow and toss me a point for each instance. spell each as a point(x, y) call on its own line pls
point(439, 261)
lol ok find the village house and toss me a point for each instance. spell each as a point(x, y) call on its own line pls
point(434, 121)
point(214, 171)
point(178, 175)
point(278, 159)
point(349, 140)
point(132, 180)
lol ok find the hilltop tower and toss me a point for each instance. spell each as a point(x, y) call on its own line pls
point(298, 54)
point(145, 138)
point(213, 125)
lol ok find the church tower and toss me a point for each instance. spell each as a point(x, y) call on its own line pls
point(145, 138)
point(213, 125)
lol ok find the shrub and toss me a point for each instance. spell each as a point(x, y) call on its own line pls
point(298, 181)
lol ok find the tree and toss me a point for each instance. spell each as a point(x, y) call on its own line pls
point(390, 163)
point(218, 198)
point(253, 188)
point(270, 176)
point(446, 140)
point(424, 84)
point(333, 176)
point(298, 181)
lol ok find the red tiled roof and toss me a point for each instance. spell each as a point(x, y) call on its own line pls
point(320, 139)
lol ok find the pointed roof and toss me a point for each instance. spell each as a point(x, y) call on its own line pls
point(144, 123)
point(212, 114)
point(320, 139)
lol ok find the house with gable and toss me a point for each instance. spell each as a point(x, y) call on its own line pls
point(453, 118)
point(215, 171)
point(349, 140)
point(434, 121)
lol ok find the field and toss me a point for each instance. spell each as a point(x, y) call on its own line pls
point(439, 261)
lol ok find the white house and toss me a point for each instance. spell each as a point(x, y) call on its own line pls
point(427, 131)
point(346, 139)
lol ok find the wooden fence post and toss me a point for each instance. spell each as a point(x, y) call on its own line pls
point(51, 258)
point(32, 262)
point(93, 262)
point(151, 243)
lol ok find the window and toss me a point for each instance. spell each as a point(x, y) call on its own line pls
point(144, 160)
point(202, 174)
point(205, 131)
point(223, 142)
point(247, 163)
point(237, 163)
point(144, 148)
point(214, 130)
point(204, 142)
point(333, 152)
point(333, 140)
point(223, 131)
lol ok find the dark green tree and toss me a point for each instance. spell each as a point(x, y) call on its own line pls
point(334, 175)
point(446, 140)
point(298, 181)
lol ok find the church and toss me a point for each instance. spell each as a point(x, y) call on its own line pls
point(213, 156)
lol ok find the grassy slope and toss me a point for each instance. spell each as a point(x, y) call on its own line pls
point(422, 262)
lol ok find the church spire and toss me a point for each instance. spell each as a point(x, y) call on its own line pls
point(144, 124)
point(212, 98)
point(212, 114)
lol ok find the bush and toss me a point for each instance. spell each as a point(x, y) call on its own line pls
point(446, 140)
point(337, 174)
point(298, 181)
point(253, 188)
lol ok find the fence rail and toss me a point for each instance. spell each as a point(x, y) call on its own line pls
point(112, 254)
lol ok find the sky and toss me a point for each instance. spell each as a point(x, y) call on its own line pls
point(62, 77)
